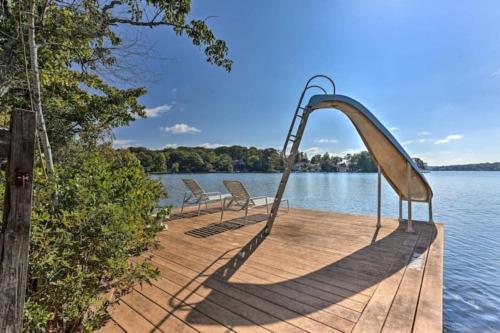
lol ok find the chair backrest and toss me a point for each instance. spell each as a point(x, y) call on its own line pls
point(194, 187)
point(237, 190)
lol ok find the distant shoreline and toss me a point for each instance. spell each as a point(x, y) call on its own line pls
point(495, 166)
point(235, 173)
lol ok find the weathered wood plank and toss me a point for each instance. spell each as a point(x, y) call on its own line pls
point(375, 314)
point(181, 310)
point(402, 313)
point(16, 221)
point(161, 319)
point(429, 317)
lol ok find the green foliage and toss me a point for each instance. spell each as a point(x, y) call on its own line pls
point(79, 58)
point(316, 159)
point(420, 163)
point(221, 159)
point(362, 162)
point(81, 244)
point(99, 210)
point(175, 167)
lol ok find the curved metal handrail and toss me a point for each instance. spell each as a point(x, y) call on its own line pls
point(324, 77)
point(299, 107)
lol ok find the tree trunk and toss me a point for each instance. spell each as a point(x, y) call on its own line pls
point(35, 83)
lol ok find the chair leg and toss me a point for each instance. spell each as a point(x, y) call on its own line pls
point(199, 208)
point(246, 213)
point(183, 202)
point(222, 209)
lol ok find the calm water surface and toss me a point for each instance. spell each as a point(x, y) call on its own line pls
point(468, 203)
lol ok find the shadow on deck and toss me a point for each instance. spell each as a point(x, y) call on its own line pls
point(315, 272)
point(413, 247)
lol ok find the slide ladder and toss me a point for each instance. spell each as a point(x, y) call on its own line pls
point(294, 137)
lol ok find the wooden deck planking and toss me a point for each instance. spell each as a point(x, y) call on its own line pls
point(316, 272)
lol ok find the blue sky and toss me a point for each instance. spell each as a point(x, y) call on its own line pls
point(429, 70)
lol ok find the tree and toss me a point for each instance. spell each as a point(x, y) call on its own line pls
point(195, 161)
point(254, 163)
point(224, 163)
point(35, 88)
point(421, 164)
point(271, 160)
point(159, 162)
point(81, 247)
point(175, 167)
point(362, 162)
point(316, 159)
point(80, 45)
point(81, 243)
point(146, 160)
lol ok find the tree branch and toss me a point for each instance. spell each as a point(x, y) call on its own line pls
point(150, 24)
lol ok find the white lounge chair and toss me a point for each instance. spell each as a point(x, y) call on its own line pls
point(241, 198)
point(197, 195)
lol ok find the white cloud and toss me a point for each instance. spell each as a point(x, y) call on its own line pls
point(326, 141)
point(393, 129)
point(423, 133)
point(156, 111)
point(317, 150)
point(181, 129)
point(212, 145)
point(449, 138)
point(313, 150)
point(496, 72)
point(123, 143)
point(349, 151)
point(174, 90)
point(408, 142)
point(424, 140)
point(171, 145)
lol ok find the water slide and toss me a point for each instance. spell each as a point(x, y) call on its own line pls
point(384, 148)
point(393, 162)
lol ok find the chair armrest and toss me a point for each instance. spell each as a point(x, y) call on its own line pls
point(211, 193)
point(260, 197)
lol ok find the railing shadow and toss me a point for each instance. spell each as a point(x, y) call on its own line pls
point(193, 213)
point(228, 225)
point(320, 296)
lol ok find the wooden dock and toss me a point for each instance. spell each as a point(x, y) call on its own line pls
point(316, 272)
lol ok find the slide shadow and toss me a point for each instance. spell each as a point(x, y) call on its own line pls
point(323, 294)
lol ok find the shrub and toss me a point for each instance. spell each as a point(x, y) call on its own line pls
point(83, 235)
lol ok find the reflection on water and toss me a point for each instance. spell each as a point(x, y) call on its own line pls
point(468, 203)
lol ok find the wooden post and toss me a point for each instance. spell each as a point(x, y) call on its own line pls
point(16, 220)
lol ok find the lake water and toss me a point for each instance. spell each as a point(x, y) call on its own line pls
point(467, 203)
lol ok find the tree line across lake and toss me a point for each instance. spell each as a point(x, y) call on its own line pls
point(244, 159)
point(469, 167)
